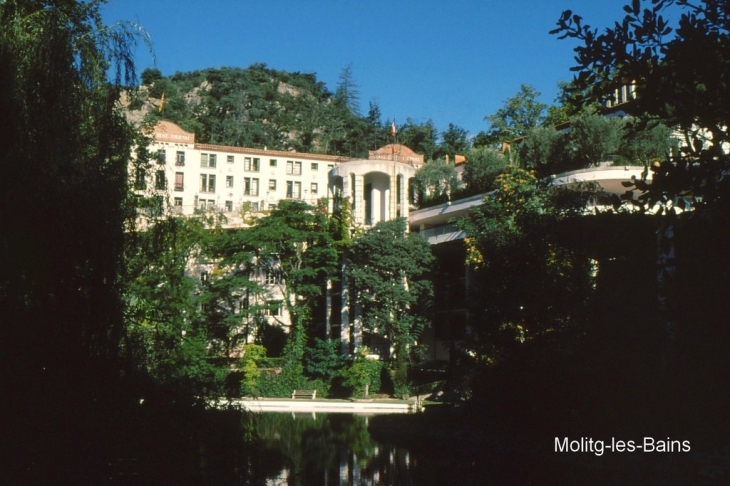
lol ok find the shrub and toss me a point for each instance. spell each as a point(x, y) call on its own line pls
point(322, 361)
point(253, 353)
point(363, 375)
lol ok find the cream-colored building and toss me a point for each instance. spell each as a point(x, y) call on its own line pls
point(379, 187)
point(229, 179)
point(189, 176)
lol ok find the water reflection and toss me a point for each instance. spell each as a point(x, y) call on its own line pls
point(331, 450)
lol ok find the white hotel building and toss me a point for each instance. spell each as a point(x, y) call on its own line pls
point(204, 176)
point(194, 176)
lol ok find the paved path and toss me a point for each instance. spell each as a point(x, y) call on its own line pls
point(321, 405)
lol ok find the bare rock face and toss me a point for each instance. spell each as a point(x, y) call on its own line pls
point(284, 88)
point(194, 98)
point(128, 103)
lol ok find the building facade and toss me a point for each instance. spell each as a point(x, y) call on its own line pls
point(194, 176)
point(230, 179)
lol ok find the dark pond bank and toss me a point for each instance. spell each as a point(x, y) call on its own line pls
point(177, 442)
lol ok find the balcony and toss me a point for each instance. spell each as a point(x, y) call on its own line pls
point(179, 186)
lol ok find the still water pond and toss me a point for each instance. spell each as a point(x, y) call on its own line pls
point(337, 449)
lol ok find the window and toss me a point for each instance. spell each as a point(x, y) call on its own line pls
point(313, 188)
point(178, 202)
point(272, 206)
point(273, 308)
point(229, 181)
point(229, 206)
point(255, 206)
point(293, 168)
point(160, 181)
point(161, 156)
point(273, 277)
point(177, 205)
point(158, 205)
point(251, 165)
point(179, 181)
point(180, 158)
point(293, 190)
point(207, 183)
point(272, 162)
point(330, 166)
point(250, 186)
point(229, 159)
point(140, 178)
point(272, 184)
point(207, 160)
point(315, 166)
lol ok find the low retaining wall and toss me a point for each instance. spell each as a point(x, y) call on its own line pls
point(323, 406)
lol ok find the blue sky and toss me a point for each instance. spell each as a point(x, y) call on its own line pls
point(451, 61)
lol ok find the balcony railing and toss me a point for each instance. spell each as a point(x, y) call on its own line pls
point(179, 186)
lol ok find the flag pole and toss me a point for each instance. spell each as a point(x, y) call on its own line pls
point(393, 133)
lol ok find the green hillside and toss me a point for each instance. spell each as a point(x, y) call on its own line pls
point(261, 107)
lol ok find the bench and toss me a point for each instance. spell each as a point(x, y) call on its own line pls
point(304, 394)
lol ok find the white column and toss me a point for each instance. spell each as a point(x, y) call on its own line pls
point(345, 316)
point(358, 199)
point(357, 328)
point(346, 186)
point(393, 199)
point(404, 196)
point(328, 311)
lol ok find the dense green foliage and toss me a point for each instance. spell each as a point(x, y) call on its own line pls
point(530, 281)
point(263, 107)
point(613, 321)
point(518, 115)
point(197, 294)
point(678, 61)
point(482, 168)
point(168, 331)
point(436, 181)
point(362, 374)
point(73, 385)
point(66, 140)
point(592, 140)
point(390, 272)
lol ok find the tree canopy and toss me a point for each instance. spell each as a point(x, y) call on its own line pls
point(519, 114)
point(675, 53)
point(436, 180)
point(66, 148)
point(529, 281)
point(390, 269)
